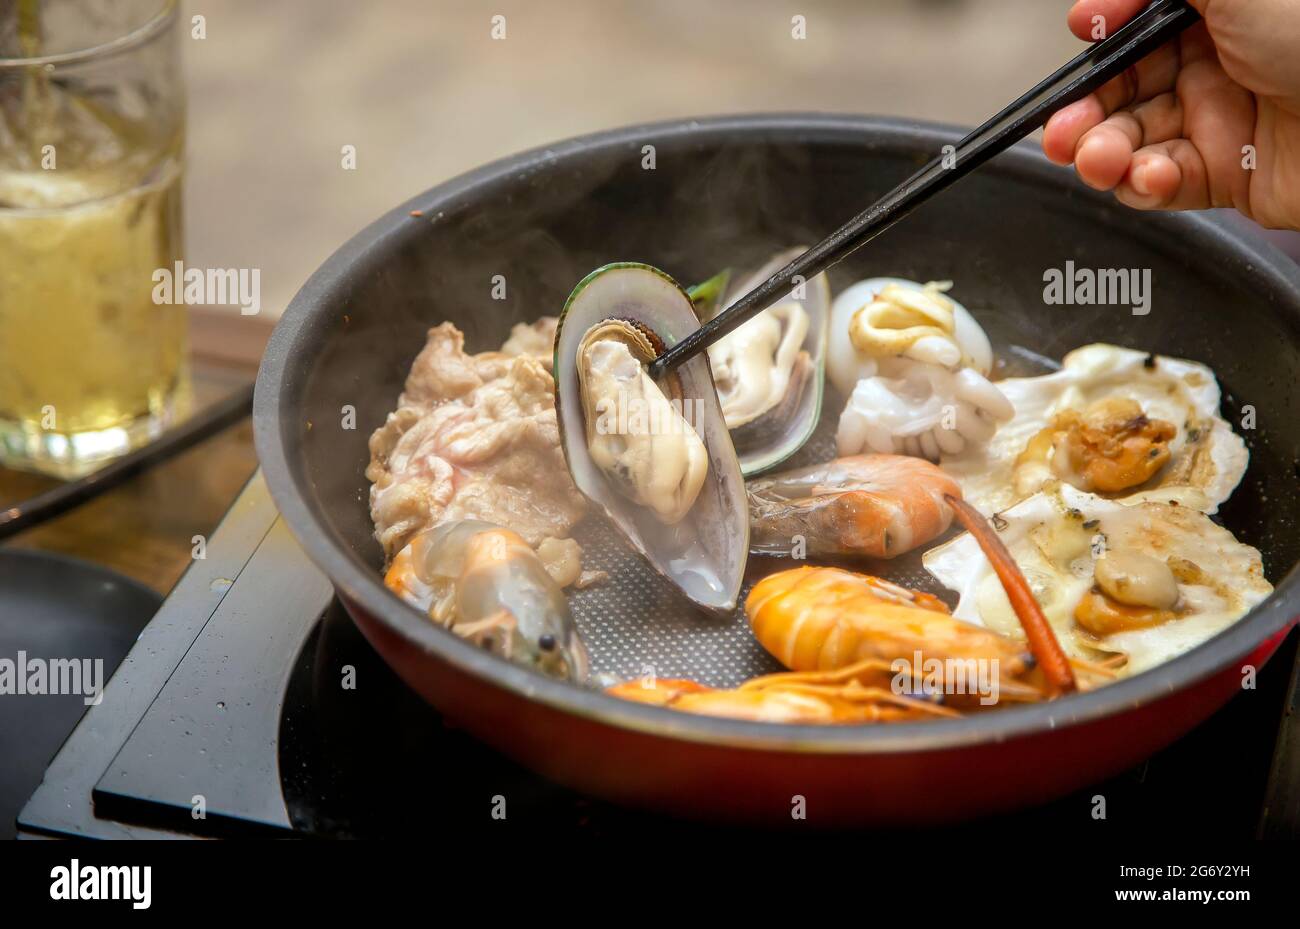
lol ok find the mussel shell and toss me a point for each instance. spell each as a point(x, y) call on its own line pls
point(772, 428)
point(704, 555)
point(778, 433)
point(707, 296)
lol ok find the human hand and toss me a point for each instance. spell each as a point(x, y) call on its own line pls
point(1210, 120)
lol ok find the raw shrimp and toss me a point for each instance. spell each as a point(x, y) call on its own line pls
point(486, 584)
point(876, 505)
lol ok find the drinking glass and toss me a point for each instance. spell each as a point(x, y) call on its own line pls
point(92, 117)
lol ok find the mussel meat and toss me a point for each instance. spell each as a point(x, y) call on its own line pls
point(769, 371)
point(638, 436)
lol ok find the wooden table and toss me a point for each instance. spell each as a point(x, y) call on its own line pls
point(145, 527)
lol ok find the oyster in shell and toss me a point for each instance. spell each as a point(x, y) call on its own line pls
point(769, 371)
point(656, 457)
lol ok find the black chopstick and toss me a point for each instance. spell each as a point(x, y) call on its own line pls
point(1153, 27)
point(211, 420)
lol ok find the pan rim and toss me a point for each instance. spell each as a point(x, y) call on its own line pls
point(362, 587)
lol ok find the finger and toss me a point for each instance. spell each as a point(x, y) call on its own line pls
point(1105, 152)
point(1068, 125)
point(1160, 118)
point(1152, 76)
point(1155, 74)
point(1166, 176)
point(1095, 19)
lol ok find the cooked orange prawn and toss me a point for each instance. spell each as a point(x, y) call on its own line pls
point(821, 619)
point(864, 650)
point(856, 694)
point(817, 619)
point(876, 505)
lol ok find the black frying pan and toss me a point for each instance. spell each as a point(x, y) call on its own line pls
point(732, 191)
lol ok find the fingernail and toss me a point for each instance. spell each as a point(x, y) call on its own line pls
point(1138, 180)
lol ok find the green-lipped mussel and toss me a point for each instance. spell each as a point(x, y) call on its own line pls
point(769, 371)
point(655, 457)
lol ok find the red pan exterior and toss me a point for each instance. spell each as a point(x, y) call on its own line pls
point(726, 783)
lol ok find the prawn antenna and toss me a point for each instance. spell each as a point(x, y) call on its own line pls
point(1038, 631)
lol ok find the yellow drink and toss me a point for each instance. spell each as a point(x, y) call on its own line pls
point(89, 208)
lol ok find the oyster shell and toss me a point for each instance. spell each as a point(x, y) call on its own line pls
point(655, 457)
point(769, 372)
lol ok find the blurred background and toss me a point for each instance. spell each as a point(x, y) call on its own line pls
point(424, 92)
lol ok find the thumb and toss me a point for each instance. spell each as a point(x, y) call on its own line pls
point(1256, 42)
point(1092, 20)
